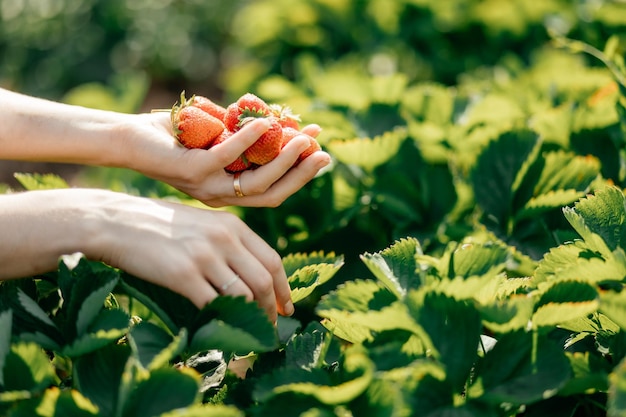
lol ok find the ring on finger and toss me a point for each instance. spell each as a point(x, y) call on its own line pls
point(237, 185)
point(230, 282)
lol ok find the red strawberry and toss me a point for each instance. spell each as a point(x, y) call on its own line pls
point(285, 116)
point(268, 146)
point(209, 106)
point(290, 133)
point(194, 128)
point(245, 107)
point(239, 164)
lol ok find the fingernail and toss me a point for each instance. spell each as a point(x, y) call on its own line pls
point(288, 308)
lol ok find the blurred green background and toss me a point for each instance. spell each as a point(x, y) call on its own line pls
point(224, 48)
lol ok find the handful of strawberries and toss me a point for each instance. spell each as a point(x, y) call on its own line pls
point(198, 122)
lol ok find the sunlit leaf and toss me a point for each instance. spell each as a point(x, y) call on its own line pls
point(36, 181)
point(174, 389)
point(56, 402)
point(396, 266)
point(368, 153)
point(153, 346)
point(357, 373)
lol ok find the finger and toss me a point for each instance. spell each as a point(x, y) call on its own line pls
point(263, 177)
point(195, 287)
point(272, 263)
point(226, 152)
point(311, 130)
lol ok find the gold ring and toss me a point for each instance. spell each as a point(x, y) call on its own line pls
point(237, 185)
point(227, 285)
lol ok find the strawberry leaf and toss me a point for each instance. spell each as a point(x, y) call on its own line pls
point(396, 267)
point(6, 319)
point(27, 368)
point(295, 261)
point(510, 372)
point(356, 375)
point(109, 326)
point(205, 410)
point(564, 301)
point(40, 181)
point(233, 325)
point(98, 376)
point(603, 214)
point(30, 322)
point(174, 389)
point(497, 172)
point(153, 346)
point(84, 287)
point(56, 402)
point(368, 153)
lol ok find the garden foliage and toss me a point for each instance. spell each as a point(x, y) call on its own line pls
point(464, 255)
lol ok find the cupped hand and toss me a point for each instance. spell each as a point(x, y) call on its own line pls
point(151, 149)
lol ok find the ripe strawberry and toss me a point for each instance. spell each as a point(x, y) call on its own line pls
point(245, 107)
point(239, 164)
point(290, 133)
point(194, 128)
point(268, 146)
point(209, 106)
point(285, 116)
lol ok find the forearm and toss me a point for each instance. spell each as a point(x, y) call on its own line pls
point(35, 129)
point(40, 226)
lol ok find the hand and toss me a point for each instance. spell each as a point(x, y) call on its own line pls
point(199, 253)
point(151, 149)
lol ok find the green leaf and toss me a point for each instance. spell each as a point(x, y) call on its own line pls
point(294, 261)
point(29, 322)
point(591, 374)
point(566, 171)
point(306, 279)
point(6, 318)
point(616, 401)
point(40, 181)
point(27, 368)
point(55, 402)
point(477, 259)
point(98, 376)
point(382, 399)
point(154, 346)
point(356, 308)
point(602, 214)
point(564, 301)
point(205, 410)
point(548, 201)
point(453, 327)
point(577, 260)
point(306, 350)
point(507, 315)
point(356, 375)
point(233, 325)
point(84, 287)
point(368, 153)
point(613, 305)
point(521, 368)
point(109, 326)
point(495, 175)
point(396, 266)
point(164, 390)
point(174, 310)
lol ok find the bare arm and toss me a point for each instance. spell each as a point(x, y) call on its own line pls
point(192, 251)
point(41, 130)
